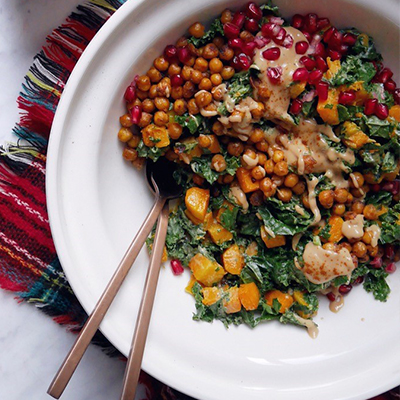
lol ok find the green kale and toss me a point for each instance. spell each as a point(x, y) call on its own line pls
point(353, 69)
point(380, 198)
point(239, 86)
point(185, 147)
point(269, 8)
point(364, 48)
point(216, 29)
point(375, 282)
point(191, 122)
point(311, 304)
point(378, 127)
point(390, 228)
point(249, 224)
point(377, 91)
point(325, 232)
point(150, 152)
point(228, 218)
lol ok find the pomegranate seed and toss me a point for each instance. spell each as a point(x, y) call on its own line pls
point(274, 75)
point(315, 76)
point(344, 289)
point(389, 252)
point(347, 97)
point(328, 34)
point(301, 74)
point(241, 62)
point(307, 35)
point(238, 19)
point(369, 106)
point(396, 96)
point(358, 280)
point(396, 188)
point(308, 62)
point(272, 54)
point(376, 262)
point(270, 30)
point(334, 55)
point(310, 23)
point(171, 53)
point(384, 75)
point(251, 25)
point(288, 41)
point(349, 39)
point(387, 186)
point(296, 106)
point(184, 55)
point(136, 114)
point(390, 268)
point(248, 48)
point(322, 90)
point(297, 21)
point(376, 187)
point(236, 43)
point(231, 31)
point(280, 36)
point(321, 63)
point(261, 41)
point(323, 23)
point(176, 266)
point(390, 85)
point(254, 11)
point(336, 40)
point(331, 296)
point(319, 50)
point(381, 111)
point(276, 20)
point(301, 47)
point(130, 94)
point(176, 80)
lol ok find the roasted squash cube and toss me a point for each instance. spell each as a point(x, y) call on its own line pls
point(285, 299)
point(154, 135)
point(327, 109)
point(210, 295)
point(218, 233)
point(270, 242)
point(226, 205)
point(296, 89)
point(249, 296)
point(195, 220)
point(246, 181)
point(231, 301)
point(206, 271)
point(196, 201)
point(394, 112)
point(335, 232)
point(355, 138)
point(233, 260)
point(333, 68)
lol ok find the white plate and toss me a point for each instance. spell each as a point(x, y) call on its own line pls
point(97, 202)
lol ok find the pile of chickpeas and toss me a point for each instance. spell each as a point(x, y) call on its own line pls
point(175, 86)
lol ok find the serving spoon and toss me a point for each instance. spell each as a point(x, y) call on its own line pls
point(160, 178)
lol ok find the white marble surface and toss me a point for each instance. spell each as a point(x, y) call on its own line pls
point(32, 346)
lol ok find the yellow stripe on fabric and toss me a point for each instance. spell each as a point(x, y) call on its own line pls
point(104, 4)
point(43, 85)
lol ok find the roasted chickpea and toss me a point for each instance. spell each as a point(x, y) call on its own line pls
point(161, 103)
point(339, 209)
point(262, 158)
point(326, 198)
point(143, 83)
point(235, 148)
point(161, 118)
point(189, 90)
point(350, 199)
point(262, 146)
point(226, 179)
point(126, 121)
point(258, 172)
point(216, 79)
point(329, 246)
point(227, 73)
point(258, 112)
point(125, 135)
point(186, 72)
point(154, 74)
point(177, 92)
point(285, 194)
point(269, 166)
point(218, 163)
point(341, 195)
point(204, 141)
point(180, 107)
point(148, 105)
point(198, 180)
point(266, 185)
point(215, 65)
point(205, 84)
point(197, 30)
point(201, 64)
point(226, 16)
point(182, 42)
point(171, 155)
point(357, 180)
point(281, 168)
point(161, 64)
point(153, 92)
point(299, 188)
point(257, 198)
point(196, 76)
point(174, 130)
point(219, 41)
point(305, 200)
point(203, 98)
point(278, 156)
point(136, 102)
point(226, 53)
point(359, 249)
point(370, 212)
point(291, 180)
point(145, 119)
point(129, 154)
point(246, 36)
point(192, 107)
point(134, 142)
point(164, 88)
point(357, 207)
point(373, 251)
point(210, 51)
point(257, 135)
point(349, 215)
point(345, 245)
point(142, 95)
point(174, 69)
point(367, 237)
point(277, 180)
point(217, 93)
point(217, 128)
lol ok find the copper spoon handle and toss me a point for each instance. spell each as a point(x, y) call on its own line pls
point(78, 349)
point(143, 319)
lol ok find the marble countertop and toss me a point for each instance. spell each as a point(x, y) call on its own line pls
point(32, 346)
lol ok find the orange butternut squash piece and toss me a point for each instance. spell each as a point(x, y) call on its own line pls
point(154, 135)
point(285, 299)
point(231, 301)
point(214, 146)
point(218, 233)
point(195, 220)
point(196, 201)
point(233, 260)
point(361, 93)
point(296, 89)
point(189, 286)
point(249, 296)
point(299, 298)
point(225, 206)
point(252, 249)
point(333, 68)
point(391, 176)
point(210, 295)
point(270, 242)
point(206, 271)
point(195, 152)
point(327, 109)
point(355, 138)
point(371, 179)
point(394, 112)
point(335, 232)
point(245, 180)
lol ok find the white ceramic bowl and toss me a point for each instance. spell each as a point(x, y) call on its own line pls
point(96, 203)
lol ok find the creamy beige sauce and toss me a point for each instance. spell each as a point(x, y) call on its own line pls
point(376, 234)
point(295, 240)
point(276, 106)
point(269, 231)
point(354, 228)
point(322, 265)
point(299, 210)
point(312, 199)
point(336, 305)
point(311, 326)
point(240, 197)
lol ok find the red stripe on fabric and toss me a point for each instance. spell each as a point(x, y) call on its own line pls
point(56, 54)
point(65, 43)
point(80, 29)
point(36, 118)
